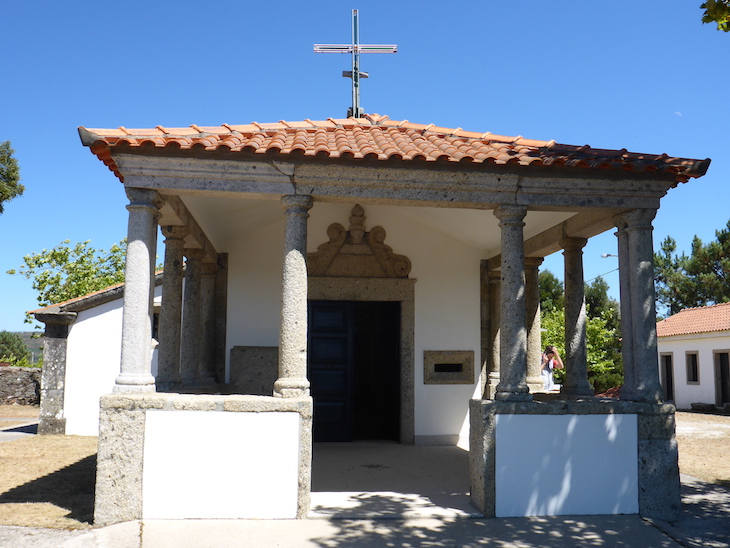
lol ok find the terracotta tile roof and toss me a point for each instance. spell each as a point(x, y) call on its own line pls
point(84, 302)
point(705, 319)
point(378, 137)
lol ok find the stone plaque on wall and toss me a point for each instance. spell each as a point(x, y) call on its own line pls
point(448, 366)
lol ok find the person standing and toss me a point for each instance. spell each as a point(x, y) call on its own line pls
point(550, 361)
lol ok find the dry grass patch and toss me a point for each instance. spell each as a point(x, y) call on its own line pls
point(48, 481)
point(22, 411)
point(704, 446)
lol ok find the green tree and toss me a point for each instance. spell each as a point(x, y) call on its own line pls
point(670, 277)
point(551, 291)
point(13, 349)
point(603, 343)
point(10, 186)
point(603, 371)
point(66, 272)
point(699, 279)
point(717, 11)
point(600, 305)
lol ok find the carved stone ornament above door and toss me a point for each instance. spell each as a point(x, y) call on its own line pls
point(356, 253)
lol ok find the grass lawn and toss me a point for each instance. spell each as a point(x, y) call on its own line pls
point(45, 481)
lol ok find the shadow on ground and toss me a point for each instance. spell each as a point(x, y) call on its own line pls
point(705, 513)
point(26, 429)
point(596, 531)
point(71, 488)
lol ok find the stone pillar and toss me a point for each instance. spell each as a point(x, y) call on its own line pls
point(627, 331)
point(168, 353)
point(136, 372)
point(53, 377)
point(636, 255)
point(495, 305)
point(292, 382)
point(534, 336)
point(513, 339)
point(221, 317)
point(207, 320)
point(191, 348)
point(575, 359)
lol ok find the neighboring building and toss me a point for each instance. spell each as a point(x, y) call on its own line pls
point(82, 350)
point(404, 306)
point(694, 346)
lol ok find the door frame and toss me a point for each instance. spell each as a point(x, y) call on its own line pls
point(718, 375)
point(666, 375)
point(382, 289)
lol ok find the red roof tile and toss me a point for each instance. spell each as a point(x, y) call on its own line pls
point(380, 138)
point(706, 319)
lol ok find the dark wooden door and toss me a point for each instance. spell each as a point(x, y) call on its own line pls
point(667, 377)
point(330, 357)
point(354, 370)
point(722, 378)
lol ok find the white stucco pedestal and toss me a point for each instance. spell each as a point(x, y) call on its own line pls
point(574, 458)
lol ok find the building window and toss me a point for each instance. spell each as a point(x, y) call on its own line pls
point(693, 368)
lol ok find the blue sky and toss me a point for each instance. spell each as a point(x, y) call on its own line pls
point(646, 76)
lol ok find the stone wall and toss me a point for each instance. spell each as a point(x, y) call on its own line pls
point(20, 385)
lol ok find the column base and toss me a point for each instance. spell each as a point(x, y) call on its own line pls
point(582, 390)
point(138, 385)
point(630, 394)
point(535, 384)
point(51, 425)
point(513, 396)
point(291, 388)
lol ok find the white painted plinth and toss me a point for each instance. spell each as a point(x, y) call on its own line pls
point(566, 465)
point(223, 465)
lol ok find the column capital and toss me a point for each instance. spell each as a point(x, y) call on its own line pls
point(510, 213)
point(57, 318)
point(533, 262)
point(195, 254)
point(56, 323)
point(635, 218)
point(144, 197)
point(174, 232)
point(573, 244)
point(292, 202)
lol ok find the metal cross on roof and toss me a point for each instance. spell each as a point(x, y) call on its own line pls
point(355, 49)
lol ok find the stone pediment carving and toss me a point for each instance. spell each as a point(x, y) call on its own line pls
point(357, 252)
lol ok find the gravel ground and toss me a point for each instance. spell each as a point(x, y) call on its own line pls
point(704, 446)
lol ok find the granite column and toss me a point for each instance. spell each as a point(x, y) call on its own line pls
point(534, 336)
point(136, 371)
point(576, 358)
point(513, 339)
point(191, 350)
point(292, 381)
point(168, 353)
point(636, 267)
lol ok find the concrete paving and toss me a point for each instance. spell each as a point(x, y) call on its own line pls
point(606, 531)
point(17, 431)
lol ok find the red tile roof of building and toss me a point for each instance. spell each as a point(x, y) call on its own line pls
point(705, 319)
point(376, 137)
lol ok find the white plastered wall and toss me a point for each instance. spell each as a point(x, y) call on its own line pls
point(446, 297)
point(705, 344)
point(93, 355)
point(566, 465)
point(260, 479)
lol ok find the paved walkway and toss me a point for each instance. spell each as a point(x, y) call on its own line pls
point(16, 430)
